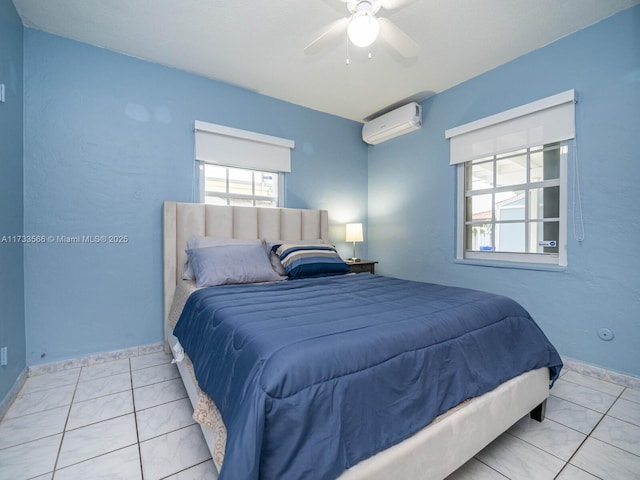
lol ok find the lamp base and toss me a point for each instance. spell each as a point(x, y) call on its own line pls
point(353, 259)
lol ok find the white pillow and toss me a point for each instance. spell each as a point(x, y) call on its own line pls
point(198, 241)
point(229, 264)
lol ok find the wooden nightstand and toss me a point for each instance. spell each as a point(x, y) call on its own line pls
point(363, 266)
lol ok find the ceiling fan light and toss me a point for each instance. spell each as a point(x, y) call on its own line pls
point(363, 29)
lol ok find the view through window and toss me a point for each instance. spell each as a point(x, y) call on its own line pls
point(512, 204)
point(238, 186)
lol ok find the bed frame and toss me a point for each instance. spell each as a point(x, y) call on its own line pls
point(434, 452)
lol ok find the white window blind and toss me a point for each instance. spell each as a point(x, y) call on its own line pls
point(545, 121)
point(232, 147)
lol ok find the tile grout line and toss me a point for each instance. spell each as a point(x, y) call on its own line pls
point(487, 465)
point(135, 419)
point(596, 389)
point(66, 422)
point(579, 405)
point(90, 424)
point(184, 469)
point(570, 427)
point(567, 462)
point(593, 430)
point(20, 395)
point(564, 468)
point(588, 435)
point(540, 448)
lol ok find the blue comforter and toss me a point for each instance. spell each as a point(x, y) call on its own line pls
point(312, 376)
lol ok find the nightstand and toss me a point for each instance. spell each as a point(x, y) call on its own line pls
point(363, 266)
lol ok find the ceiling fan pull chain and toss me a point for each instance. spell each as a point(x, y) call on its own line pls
point(348, 61)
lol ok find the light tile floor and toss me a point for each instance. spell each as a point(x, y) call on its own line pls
point(130, 419)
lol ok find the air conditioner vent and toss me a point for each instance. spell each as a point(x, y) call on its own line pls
point(397, 122)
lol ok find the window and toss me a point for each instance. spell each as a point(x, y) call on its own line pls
point(514, 205)
point(512, 183)
point(222, 185)
point(238, 167)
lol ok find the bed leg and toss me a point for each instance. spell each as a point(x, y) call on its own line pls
point(539, 412)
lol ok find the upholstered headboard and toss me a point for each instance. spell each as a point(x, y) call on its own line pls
point(181, 220)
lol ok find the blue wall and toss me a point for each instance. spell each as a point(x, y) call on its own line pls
point(109, 137)
point(412, 201)
point(12, 321)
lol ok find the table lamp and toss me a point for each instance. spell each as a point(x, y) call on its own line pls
point(354, 234)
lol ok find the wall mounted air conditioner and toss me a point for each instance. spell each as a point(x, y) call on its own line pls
point(397, 122)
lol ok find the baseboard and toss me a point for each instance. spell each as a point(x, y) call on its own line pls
point(53, 367)
point(9, 398)
point(569, 363)
point(601, 373)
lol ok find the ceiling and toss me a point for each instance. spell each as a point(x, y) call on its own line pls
point(259, 44)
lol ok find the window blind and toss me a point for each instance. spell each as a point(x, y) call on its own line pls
point(232, 147)
point(545, 121)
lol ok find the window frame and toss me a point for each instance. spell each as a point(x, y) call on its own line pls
point(516, 258)
point(229, 196)
point(229, 147)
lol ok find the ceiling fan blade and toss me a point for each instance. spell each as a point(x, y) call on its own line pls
point(395, 4)
point(338, 5)
point(399, 41)
point(336, 29)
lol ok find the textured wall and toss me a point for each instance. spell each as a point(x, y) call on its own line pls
point(412, 192)
point(107, 139)
point(12, 322)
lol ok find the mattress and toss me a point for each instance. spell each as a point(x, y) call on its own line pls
point(344, 359)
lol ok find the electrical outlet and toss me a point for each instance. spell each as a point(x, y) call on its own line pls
point(3, 356)
point(2, 92)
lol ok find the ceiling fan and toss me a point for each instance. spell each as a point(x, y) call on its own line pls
point(363, 27)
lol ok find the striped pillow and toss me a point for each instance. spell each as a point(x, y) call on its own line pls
point(301, 261)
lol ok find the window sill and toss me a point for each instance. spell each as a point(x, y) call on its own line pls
point(513, 265)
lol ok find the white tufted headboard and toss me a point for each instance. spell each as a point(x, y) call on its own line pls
point(181, 220)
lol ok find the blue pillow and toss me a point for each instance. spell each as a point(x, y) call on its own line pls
point(198, 241)
point(229, 264)
point(301, 261)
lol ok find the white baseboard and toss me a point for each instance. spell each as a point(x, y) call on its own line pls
point(9, 398)
point(52, 367)
point(601, 373)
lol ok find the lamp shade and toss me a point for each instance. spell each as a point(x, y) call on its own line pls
point(354, 232)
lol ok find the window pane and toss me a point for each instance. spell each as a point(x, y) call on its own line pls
point(479, 207)
point(544, 203)
point(238, 186)
point(479, 176)
point(552, 163)
point(544, 237)
point(243, 202)
point(215, 178)
point(213, 200)
point(537, 162)
point(240, 181)
point(511, 237)
point(545, 165)
point(266, 184)
point(478, 238)
point(510, 205)
point(511, 171)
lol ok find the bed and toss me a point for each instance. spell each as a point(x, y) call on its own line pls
point(292, 421)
